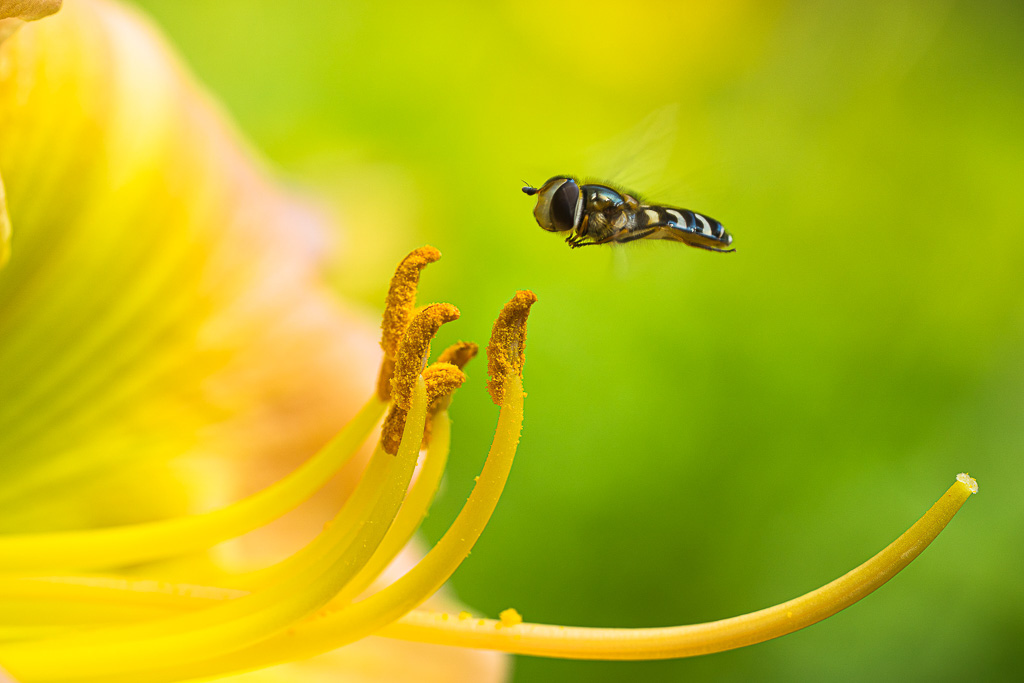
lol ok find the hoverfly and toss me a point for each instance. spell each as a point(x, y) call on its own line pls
point(598, 214)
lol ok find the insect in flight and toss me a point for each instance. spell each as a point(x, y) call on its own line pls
point(598, 214)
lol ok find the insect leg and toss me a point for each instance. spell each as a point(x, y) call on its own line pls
point(614, 237)
point(639, 235)
point(575, 239)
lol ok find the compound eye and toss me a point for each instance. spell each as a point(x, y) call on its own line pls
point(563, 205)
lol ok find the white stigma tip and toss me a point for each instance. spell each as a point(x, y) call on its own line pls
point(969, 480)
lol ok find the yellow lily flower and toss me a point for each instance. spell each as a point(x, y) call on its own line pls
point(161, 316)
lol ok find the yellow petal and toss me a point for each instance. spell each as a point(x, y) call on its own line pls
point(163, 301)
point(381, 660)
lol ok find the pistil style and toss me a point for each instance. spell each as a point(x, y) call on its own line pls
point(570, 642)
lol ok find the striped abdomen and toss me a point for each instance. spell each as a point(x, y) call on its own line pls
point(683, 225)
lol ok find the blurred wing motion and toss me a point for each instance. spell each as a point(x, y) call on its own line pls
point(639, 157)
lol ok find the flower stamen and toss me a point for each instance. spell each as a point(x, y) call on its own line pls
point(338, 625)
point(313, 577)
point(415, 348)
point(458, 354)
point(331, 630)
point(410, 362)
point(414, 508)
point(441, 379)
point(398, 311)
point(507, 348)
point(136, 543)
point(372, 527)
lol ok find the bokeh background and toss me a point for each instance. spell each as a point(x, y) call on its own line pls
point(706, 434)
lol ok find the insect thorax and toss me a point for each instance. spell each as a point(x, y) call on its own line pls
point(606, 212)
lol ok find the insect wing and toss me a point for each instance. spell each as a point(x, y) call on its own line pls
point(638, 157)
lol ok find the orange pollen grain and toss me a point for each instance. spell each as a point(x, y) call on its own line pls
point(510, 617)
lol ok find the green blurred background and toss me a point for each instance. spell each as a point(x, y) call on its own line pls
point(706, 434)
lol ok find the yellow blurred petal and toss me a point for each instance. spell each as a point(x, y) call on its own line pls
point(381, 660)
point(163, 302)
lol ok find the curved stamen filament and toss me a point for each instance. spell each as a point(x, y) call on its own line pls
point(115, 546)
point(54, 599)
point(356, 509)
point(152, 631)
point(365, 617)
point(413, 511)
point(333, 627)
point(561, 641)
point(589, 643)
point(107, 653)
point(686, 641)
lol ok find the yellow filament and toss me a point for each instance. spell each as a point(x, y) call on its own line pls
point(686, 641)
point(109, 590)
point(353, 513)
point(369, 615)
point(110, 547)
point(333, 627)
point(357, 507)
point(589, 643)
point(27, 633)
point(413, 511)
point(130, 653)
point(52, 600)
